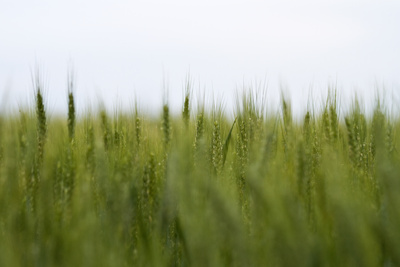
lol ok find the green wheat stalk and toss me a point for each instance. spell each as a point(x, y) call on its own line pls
point(166, 127)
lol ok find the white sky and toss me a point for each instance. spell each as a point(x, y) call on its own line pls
point(120, 49)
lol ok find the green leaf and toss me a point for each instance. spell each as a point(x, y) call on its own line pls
point(226, 145)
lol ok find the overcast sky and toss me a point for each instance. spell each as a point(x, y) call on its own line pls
point(123, 49)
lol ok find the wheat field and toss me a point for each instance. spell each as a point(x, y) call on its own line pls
point(200, 188)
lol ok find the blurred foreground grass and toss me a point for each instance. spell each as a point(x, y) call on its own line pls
point(200, 189)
